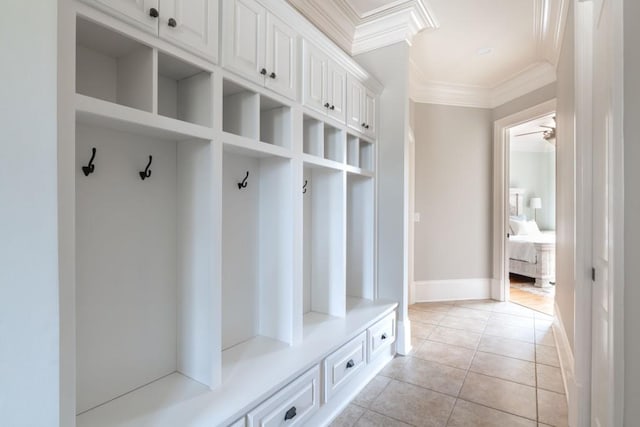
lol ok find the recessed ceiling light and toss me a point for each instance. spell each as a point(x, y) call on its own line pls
point(485, 51)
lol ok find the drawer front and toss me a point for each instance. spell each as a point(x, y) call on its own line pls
point(292, 405)
point(381, 335)
point(343, 364)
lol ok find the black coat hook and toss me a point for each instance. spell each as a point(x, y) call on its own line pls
point(243, 184)
point(304, 187)
point(88, 170)
point(146, 173)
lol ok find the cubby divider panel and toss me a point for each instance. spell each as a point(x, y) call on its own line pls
point(313, 137)
point(366, 155)
point(240, 110)
point(360, 236)
point(353, 150)
point(257, 248)
point(144, 281)
point(184, 91)
point(324, 241)
point(275, 122)
point(113, 67)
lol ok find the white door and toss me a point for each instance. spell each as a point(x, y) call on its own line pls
point(281, 57)
point(336, 91)
point(314, 75)
point(191, 24)
point(602, 390)
point(355, 104)
point(136, 12)
point(243, 38)
point(370, 114)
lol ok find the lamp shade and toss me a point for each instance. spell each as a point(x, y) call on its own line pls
point(535, 203)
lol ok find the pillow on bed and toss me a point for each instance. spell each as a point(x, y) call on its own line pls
point(524, 228)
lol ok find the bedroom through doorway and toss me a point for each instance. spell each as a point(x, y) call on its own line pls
point(531, 240)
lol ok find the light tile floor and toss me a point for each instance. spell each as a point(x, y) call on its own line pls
point(474, 363)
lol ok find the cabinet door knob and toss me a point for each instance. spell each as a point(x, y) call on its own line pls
point(333, 107)
point(350, 364)
point(263, 71)
point(383, 337)
point(153, 12)
point(172, 23)
point(290, 413)
point(363, 125)
point(326, 105)
point(272, 75)
point(366, 127)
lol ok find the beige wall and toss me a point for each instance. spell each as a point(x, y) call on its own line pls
point(453, 188)
point(565, 179)
point(632, 212)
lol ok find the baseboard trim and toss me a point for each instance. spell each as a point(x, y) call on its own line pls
point(567, 364)
point(451, 290)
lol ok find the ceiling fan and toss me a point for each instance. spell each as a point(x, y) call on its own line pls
point(548, 134)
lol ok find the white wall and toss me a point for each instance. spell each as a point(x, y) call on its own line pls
point(535, 172)
point(632, 212)
point(29, 343)
point(565, 179)
point(453, 192)
point(531, 99)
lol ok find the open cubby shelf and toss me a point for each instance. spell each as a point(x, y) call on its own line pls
point(323, 140)
point(359, 236)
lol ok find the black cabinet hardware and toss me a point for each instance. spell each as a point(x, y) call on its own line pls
point(146, 173)
point(153, 12)
point(172, 23)
point(263, 71)
point(88, 170)
point(350, 364)
point(290, 413)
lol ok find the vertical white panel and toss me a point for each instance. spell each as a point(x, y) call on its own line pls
point(360, 237)
point(281, 57)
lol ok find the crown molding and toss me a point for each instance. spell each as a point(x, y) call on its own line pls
point(396, 22)
point(549, 20)
point(534, 77)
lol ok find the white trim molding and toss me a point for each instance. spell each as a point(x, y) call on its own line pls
point(567, 364)
point(399, 21)
point(451, 290)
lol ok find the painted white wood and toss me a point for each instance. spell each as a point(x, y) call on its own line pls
point(275, 122)
point(353, 150)
point(243, 46)
point(314, 78)
point(343, 365)
point(281, 57)
point(360, 235)
point(173, 399)
point(356, 116)
point(135, 12)
point(197, 25)
point(302, 396)
point(334, 144)
point(126, 265)
point(381, 336)
point(240, 113)
point(313, 137)
point(452, 290)
point(370, 114)
point(565, 356)
point(240, 423)
point(336, 91)
point(367, 156)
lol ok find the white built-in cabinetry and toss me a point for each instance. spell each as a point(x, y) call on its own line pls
point(190, 24)
point(224, 231)
point(361, 108)
point(259, 46)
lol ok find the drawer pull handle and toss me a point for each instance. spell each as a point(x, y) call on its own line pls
point(290, 413)
point(383, 337)
point(153, 12)
point(350, 364)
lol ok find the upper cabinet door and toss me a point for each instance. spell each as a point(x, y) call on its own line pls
point(281, 58)
point(136, 12)
point(337, 90)
point(314, 78)
point(243, 38)
point(191, 24)
point(356, 105)
point(370, 114)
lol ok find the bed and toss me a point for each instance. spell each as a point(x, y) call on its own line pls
point(531, 253)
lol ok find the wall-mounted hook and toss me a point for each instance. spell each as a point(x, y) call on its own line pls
point(243, 184)
point(88, 170)
point(304, 187)
point(146, 173)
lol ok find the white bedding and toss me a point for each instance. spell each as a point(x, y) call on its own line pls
point(522, 248)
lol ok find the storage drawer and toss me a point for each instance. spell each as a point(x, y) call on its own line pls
point(292, 405)
point(343, 364)
point(381, 335)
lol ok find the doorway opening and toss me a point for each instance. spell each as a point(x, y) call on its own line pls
point(530, 245)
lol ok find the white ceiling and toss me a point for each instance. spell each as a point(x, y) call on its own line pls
point(524, 38)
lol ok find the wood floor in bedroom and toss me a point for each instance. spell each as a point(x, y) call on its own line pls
point(524, 292)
